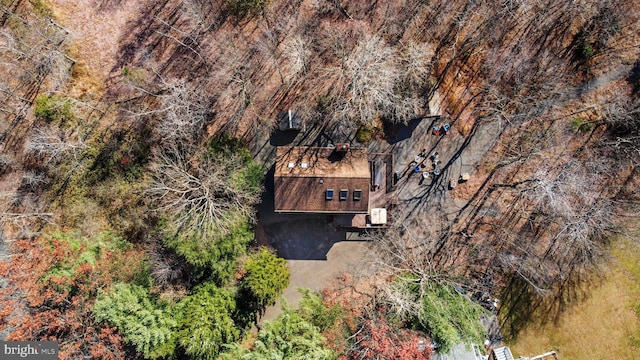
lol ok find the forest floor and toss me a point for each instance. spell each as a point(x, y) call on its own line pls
point(604, 326)
point(96, 29)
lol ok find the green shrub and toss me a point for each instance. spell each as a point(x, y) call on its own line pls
point(241, 8)
point(53, 109)
point(212, 257)
point(249, 179)
point(289, 337)
point(315, 311)
point(364, 135)
point(323, 104)
point(586, 50)
point(212, 244)
point(226, 145)
point(266, 278)
point(104, 253)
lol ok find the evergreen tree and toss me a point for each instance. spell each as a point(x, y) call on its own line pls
point(290, 337)
point(206, 324)
point(145, 324)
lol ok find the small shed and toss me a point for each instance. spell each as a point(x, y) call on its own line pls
point(290, 120)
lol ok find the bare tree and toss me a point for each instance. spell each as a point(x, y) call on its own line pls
point(7, 162)
point(371, 73)
point(582, 213)
point(186, 39)
point(183, 113)
point(422, 291)
point(416, 64)
point(555, 226)
point(207, 14)
point(167, 268)
point(38, 51)
point(406, 255)
point(53, 143)
point(298, 52)
point(269, 44)
point(23, 213)
point(199, 194)
point(623, 118)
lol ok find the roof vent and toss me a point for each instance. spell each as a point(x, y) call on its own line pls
point(291, 165)
point(304, 165)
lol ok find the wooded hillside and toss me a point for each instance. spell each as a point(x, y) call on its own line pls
point(135, 137)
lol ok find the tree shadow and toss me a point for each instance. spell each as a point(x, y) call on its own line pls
point(163, 34)
point(125, 153)
point(395, 133)
point(107, 5)
point(282, 138)
point(522, 306)
point(634, 77)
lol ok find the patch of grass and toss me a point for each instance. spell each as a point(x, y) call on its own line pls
point(453, 105)
point(605, 326)
point(16, 25)
point(136, 76)
point(580, 125)
point(123, 154)
point(41, 8)
point(87, 86)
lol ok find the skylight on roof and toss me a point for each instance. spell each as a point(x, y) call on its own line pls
point(329, 194)
point(304, 165)
point(291, 165)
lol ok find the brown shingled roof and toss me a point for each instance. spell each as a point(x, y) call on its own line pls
point(304, 174)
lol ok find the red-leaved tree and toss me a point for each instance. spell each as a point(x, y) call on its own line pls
point(376, 339)
point(52, 283)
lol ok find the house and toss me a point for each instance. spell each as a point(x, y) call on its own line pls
point(322, 180)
